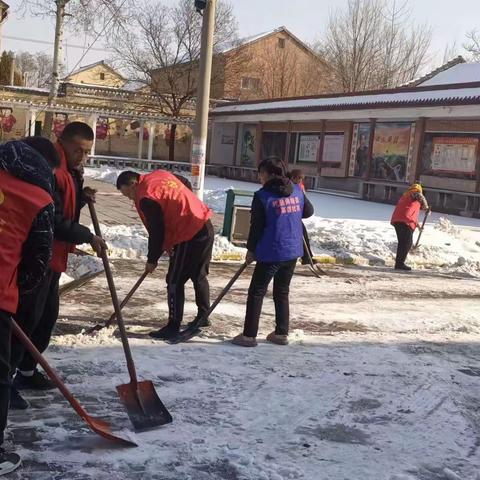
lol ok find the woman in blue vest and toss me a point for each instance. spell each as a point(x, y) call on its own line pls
point(275, 242)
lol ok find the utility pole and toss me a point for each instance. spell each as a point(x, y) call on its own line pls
point(199, 147)
point(59, 20)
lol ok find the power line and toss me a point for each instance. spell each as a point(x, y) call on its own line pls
point(44, 42)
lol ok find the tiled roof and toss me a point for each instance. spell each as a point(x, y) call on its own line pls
point(459, 94)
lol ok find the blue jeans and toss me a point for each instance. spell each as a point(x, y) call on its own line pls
point(281, 273)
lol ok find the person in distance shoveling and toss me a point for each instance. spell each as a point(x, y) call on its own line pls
point(178, 223)
point(405, 221)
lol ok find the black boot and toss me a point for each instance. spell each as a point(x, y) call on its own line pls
point(38, 381)
point(402, 266)
point(166, 332)
point(17, 402)
point(204, 322)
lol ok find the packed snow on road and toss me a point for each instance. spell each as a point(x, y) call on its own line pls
point(381, 379)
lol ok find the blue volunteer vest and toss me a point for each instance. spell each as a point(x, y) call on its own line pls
point(282, 239)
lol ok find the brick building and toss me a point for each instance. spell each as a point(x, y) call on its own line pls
point(268, 65)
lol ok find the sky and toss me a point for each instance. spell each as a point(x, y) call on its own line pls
point(305, 18)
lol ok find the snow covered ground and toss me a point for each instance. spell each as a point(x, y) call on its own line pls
point(381, 381)
point(348, 229)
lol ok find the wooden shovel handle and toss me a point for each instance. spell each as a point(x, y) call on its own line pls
point(113, 294)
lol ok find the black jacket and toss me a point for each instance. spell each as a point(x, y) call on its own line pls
point(24, 163)
point(66, 229)
point(279, 186)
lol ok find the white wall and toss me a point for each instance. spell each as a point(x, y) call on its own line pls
point(223, 143)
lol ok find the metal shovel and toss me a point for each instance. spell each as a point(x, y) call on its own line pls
point(99, 426)
point(194, 328)
point(140, 399)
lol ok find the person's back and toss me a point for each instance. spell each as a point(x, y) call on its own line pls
point(26, 234)
point(281, 239)
point(275, 241)
point(184, 214)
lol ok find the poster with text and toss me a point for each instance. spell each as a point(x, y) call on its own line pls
point(333, 148)
point(308, 148)
point(390, 151)
point(454, 154)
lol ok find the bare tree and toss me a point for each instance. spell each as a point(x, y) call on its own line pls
point(161, 48)
point(374, 44)
point(450, 52)
point(36, 68)
point(91, 16)
point(473, 45)
point(283, 71)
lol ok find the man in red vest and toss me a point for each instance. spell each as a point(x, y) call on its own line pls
point(405, 221)
point(26, 236)
point(38, 312)
point(176, 221)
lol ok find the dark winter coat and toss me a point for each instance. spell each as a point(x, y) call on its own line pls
point(24, 163)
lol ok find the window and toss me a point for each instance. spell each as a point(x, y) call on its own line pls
point(102, 76)
point(250, 83)
point(281, 43)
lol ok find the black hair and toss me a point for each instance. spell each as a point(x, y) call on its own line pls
point(126, 178)
point(45, 148)
point(77, 129)
point(296, 172)
point(273, 166)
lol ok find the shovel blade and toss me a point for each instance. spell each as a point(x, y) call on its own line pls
point(103, 429)
point(144, 407)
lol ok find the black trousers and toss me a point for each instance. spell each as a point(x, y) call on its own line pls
point(281, 273)
point(405, 242)
point(5, 340)
point(37, 315)
point(190, 261)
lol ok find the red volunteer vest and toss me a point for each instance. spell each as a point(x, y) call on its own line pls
point(184, 214)
point(66, 187)
point(406, 211)
point(20, 203)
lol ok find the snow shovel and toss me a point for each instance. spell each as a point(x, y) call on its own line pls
point(109, 322)
point(99, 426)
point(140, 399)
point(194, 328)
point(427, 213)
point(315, 268)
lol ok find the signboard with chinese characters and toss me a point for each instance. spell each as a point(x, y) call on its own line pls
point(454, 154)
point(308, 148)
point(333, 148)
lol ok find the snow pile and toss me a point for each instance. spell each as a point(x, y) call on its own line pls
point(80, 265)
point(375, 243)
point(104, 174)
point(215, 193)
